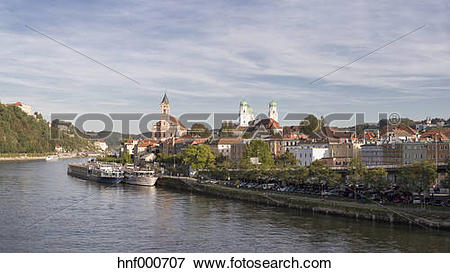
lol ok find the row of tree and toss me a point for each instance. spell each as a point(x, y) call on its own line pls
point(22, 133)
point(417, 177)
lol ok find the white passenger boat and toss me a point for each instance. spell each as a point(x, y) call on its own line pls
point(140, 177)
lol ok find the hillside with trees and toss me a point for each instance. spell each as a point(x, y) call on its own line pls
point(22, 133)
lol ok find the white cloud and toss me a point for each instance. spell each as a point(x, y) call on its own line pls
point(226, 50)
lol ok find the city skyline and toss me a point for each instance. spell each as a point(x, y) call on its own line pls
point(209, 56)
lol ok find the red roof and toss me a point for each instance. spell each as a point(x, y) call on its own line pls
point(145, 144)
point(269, 123)
point(400, 130)
point(229, 140)
point(199, 140)
point(173, 120)
point(436, 134)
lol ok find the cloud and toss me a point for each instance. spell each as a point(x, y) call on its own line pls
point(218, 52)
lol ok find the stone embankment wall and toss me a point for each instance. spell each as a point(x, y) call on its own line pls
point(370, 212)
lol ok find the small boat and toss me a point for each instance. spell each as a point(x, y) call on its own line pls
point(140, 177)
point(51, 158)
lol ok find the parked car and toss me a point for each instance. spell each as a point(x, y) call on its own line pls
point(332, 192)
point(417, 200)
point(437, 203)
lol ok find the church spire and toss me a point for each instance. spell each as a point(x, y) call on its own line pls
point(165, 99)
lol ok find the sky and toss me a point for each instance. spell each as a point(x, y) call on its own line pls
point(209, 55)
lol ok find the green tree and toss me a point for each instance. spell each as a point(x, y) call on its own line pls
point(446, 182)
point(282, 175)
point(300, 174)
point(126, 158)
point(376, 179)
point(199, 129)
point(320, 173)
point(200, 157)
point(257, 149)
point(310, 124)
point(22, 133)
point(425, 174)
point(356, 170)
point(418, 177)
point(403, 121)
point(286, 160)
point(227, 129)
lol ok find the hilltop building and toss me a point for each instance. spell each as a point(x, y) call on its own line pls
point(26, 108)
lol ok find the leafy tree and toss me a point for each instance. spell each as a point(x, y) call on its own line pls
point(169, 159)
point(356, 170)
point(310, 124)
point(21, 133)
point(425, 174)
point(418, 178)
point(403, 121)
point(223, 166)
point(126, 158)
point(436, 120)
point(446, 182)
point(200, 157)
point(300, 174)
point(286, 160)
point(320, 173)
point(376, 179)
point(282, 175)
point(259, 149)
point(227, 129)
point(199, 129)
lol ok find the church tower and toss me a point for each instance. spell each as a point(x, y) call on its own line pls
point(245, 113)
point(165, 116)
point(165, 105)
point(273, 112)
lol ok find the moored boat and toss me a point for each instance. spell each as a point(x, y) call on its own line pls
point(140, 177)
point(103, 173)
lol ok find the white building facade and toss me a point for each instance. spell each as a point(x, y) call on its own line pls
point(308, 153)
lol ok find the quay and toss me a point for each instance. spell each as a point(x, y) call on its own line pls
point(372, 212)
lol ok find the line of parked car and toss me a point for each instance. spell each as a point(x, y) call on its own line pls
point(393, 195)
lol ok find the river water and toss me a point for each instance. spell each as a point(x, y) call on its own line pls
point(42, 209)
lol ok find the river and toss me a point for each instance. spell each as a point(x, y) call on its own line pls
point(42, 209)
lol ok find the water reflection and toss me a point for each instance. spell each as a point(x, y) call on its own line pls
point(128, 218)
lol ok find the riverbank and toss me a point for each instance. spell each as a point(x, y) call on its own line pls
point(372, 212)
point(30, 157)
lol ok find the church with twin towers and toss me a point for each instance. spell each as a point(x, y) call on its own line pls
point(247, 117)
point(169, 126)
